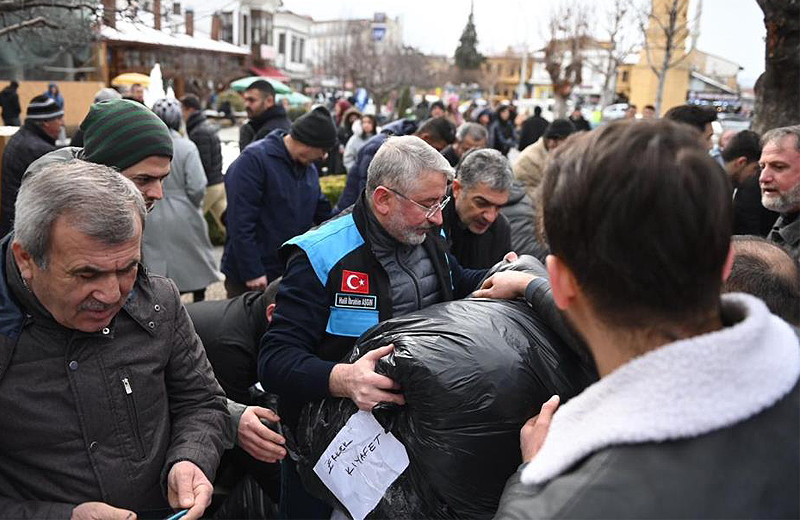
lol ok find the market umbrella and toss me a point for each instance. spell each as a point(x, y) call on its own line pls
point(240, 85)
point(295, 98)
point(129, 78)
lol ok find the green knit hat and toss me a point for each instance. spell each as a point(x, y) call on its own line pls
point(120, 133)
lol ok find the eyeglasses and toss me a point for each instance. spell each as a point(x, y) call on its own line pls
point(429, 211)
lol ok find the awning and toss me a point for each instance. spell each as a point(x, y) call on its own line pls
point(270, 72)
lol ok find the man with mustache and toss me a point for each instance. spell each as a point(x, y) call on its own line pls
point(382, 257)
point(109, 405)
point(127, 136)
point(780, 184)
point(478, 234)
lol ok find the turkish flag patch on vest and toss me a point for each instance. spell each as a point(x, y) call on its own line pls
point(355, 282)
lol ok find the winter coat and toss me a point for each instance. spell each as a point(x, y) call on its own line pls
point(101, 416)
point(354, 145)
point(271, 198)
point(175, 243)
point(728, 447)
point(529, 166)
point(532, 129)
point(502, 136)
point(28, 144)
point(520, 210)
point(9, 103)
point(205, 137)
point(786, 233)
point(357, 175)
point(580, 124)
point(257, 128)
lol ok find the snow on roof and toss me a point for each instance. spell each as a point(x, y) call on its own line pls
point(139, 32)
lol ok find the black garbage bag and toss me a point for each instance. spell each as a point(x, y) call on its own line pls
point(472, 372)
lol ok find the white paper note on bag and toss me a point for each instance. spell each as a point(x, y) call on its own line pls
point(361, 463)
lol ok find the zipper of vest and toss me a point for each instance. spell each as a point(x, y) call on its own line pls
point(134, 418)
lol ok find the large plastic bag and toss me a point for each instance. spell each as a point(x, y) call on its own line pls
point(472, 372)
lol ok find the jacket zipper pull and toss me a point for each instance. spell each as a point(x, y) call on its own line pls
point(127, 385)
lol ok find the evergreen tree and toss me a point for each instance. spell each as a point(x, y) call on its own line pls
point(467, 55)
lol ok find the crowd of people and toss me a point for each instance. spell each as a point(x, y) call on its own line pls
point(674, 259)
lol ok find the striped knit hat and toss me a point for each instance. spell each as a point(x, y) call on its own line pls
point(120, 133)
point(43, 108)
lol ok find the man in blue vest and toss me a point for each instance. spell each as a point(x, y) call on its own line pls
point(383, 258)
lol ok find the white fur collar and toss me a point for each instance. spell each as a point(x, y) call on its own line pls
point(681, 390)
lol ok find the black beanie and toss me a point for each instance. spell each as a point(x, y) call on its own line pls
point(315, 129)
point(120, 133)
point(559, 129)
point(43, 108)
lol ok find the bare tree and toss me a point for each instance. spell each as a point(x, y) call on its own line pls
point(377, 67)
point(778, 88)
point(568, 36)
point(665, 26)
point(617, 42)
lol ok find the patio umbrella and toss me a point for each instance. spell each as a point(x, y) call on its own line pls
point(240, 85)
point(295, 98)
point(129, 78)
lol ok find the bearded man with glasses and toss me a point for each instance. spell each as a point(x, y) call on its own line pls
point(381, 258)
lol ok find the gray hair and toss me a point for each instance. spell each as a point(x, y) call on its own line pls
point(474, 131)
point(777, 134)
point(488, 166)
point(401, 160)
point(99, 202)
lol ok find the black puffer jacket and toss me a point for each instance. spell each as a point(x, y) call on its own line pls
point(261, 125)
point(502, 136)
point(28, 144)
point(205, 137)
point(520, 210)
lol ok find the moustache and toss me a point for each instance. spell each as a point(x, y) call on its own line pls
point(94, 305)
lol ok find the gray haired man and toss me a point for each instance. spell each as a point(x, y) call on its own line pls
point(383, 258)
point(107, 399)
point(780, 184)
point(468, 137)
point(478, 234)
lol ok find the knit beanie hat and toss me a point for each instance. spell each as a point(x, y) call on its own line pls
point(169, 110)
point(559, 129)
point(315, 129)
point(43, 108)
point(120, 133)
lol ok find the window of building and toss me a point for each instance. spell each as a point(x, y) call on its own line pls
point(282, 43)
point(262, 27)
point(244, 30)
point(226, 29)
point(300, 54)
point(624, 75)
point(293, 55)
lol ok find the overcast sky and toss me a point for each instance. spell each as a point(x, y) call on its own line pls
point(732, 29)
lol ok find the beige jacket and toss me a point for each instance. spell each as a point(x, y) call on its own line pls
point(530, 164)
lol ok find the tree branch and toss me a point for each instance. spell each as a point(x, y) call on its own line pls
point(11, 6)
point(39, 20)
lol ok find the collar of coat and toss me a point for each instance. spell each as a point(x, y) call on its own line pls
point(681, 390)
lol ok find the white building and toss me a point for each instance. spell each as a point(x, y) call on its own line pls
point(330, 36)
point(249, 24)
point(292, 35)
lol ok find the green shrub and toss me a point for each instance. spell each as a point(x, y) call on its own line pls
point(332, 186)
point(236, 100)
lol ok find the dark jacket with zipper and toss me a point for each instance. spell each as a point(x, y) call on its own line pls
point(28, 144)
point(205, 137)
point(260, 126)
point(323, 306)
point(101, 416)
